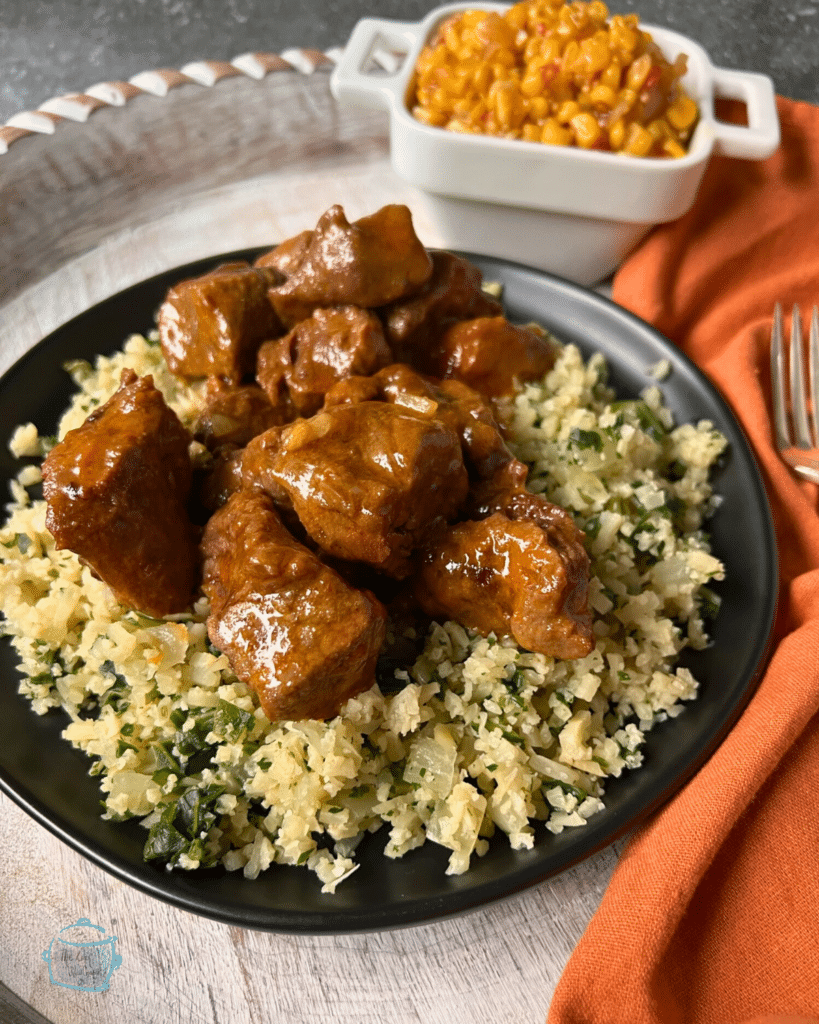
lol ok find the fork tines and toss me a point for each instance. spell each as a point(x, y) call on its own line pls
point(801, 402)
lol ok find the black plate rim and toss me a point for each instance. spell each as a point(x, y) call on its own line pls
point(602, 829)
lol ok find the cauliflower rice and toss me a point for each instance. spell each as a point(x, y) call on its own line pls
point(479, 735)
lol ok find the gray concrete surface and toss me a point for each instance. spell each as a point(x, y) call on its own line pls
point(50, 48)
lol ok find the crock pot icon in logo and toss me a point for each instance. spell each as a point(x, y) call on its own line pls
point(82, 956)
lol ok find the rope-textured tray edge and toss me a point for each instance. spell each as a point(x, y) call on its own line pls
point(78, 107)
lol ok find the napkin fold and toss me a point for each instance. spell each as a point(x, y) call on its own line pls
point(712, 915)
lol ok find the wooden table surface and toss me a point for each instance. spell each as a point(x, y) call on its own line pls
point(227, 170)
point(498, 965)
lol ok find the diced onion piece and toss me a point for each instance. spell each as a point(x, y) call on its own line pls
point(432, 765)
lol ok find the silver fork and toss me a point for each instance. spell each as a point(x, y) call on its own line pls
point(796, 400)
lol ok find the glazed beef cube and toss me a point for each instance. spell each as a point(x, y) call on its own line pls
point(490, 463)
point(494, 473)
point(328, 346)
point(452, 293)
point(116, 489)
point(212, 326)
point(367, 481)
point(374, 261)
point(286, 256)
point(558, 525)
point(522, 572)
point(235, 414)
point(291, 627)
point(491, 355)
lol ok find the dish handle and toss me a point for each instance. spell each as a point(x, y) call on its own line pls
point(760, 138)
point(369, 71)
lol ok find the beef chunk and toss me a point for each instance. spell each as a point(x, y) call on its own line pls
point(523, 571)
point(235, 414)
point(493, 471)
point(291, 627)
point(367, 481)
point(328, 346)
point(453, 292)
point(213, 325)
point(286, 256)
point(116, 489)
point(490, 355)
point(374, 261)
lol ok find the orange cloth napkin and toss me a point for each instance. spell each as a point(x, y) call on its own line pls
point(712, 915)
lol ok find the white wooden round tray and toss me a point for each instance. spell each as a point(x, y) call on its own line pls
point(99, 191)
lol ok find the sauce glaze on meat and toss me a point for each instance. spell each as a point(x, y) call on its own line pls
point(116, 489)
point(353, 449)
point(292, 628)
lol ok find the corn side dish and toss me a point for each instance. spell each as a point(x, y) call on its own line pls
point(564, 74)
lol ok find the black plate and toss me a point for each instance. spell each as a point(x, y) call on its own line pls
point(49, 779)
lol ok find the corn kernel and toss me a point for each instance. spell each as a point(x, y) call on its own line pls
point(426, 115)
point(586, 129)
point(554, 134)
point(538, 108)
point(571, 55)
point(596, 54)
point(532, 82)
point(603, 96)
point(638, 72)
point(626, 99)
point(505, 104)
point(623, 36)
point(673, 148)
point(551, 51)
point(617, 133)
point(682, 113)
point(482, 79)
point(516, 16)
point(477, 113)
point(579, 14)
point(612, 74)
point(638, 141)
point(567, 111)
point(532, 49)
point(451, 36)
